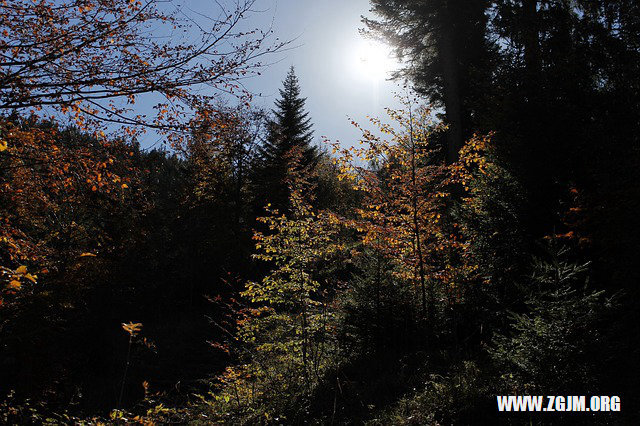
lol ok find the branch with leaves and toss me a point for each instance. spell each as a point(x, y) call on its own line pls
point(94, 59)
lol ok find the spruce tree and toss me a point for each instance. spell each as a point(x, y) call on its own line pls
point(288, 145)
point(445, 55)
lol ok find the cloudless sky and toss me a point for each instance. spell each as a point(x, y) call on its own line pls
point(326, 51)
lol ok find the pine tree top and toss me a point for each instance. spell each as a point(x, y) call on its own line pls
point(289, 133)
point(291, 119)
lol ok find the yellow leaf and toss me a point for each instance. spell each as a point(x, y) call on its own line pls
point(3, 145)
point(21, 270)
point(132, 328)
point(15, 285)
point(125, 186)
point(88, 255)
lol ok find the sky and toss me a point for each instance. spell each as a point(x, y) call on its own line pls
point(341, 73)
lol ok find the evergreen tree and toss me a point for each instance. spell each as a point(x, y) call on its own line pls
point(557, 342)
point(446, 55)
point(290, 128)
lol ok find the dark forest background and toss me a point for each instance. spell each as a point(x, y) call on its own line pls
point(245, 275)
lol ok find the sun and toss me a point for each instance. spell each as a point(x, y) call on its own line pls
point(373, 60)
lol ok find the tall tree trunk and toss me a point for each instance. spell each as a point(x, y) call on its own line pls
point(451, 92)
point(531, 47)
point(378, 315)
point(427, 307)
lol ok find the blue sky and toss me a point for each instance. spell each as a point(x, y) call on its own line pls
point(327, 53)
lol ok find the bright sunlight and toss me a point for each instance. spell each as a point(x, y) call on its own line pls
point(373, 60)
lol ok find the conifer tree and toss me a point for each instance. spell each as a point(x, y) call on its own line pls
point(443, 47)
point(290, 128)
point(557, 342)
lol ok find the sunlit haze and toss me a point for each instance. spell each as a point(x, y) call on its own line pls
point(342, 74)
point(373, 60)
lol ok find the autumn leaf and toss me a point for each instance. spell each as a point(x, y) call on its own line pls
point(14, 285)
point(132, 328)
point(3, 145)
point(88, 255)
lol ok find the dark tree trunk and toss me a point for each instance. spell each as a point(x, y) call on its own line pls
point(531, 47)
point(451, 92)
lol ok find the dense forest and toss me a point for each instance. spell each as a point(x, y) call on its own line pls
point(480, 240)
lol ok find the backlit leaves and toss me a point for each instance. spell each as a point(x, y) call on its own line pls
point(409, 195)
point(13, 280)
point(93, 60)
point(47, 174)
point(132, 328)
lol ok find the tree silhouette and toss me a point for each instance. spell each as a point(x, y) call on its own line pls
point(290, 128)
point(443, 48)
point(94, 59)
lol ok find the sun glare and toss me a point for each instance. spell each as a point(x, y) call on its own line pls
point(374, 60)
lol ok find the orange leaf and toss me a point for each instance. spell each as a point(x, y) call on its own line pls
point(132, 328)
